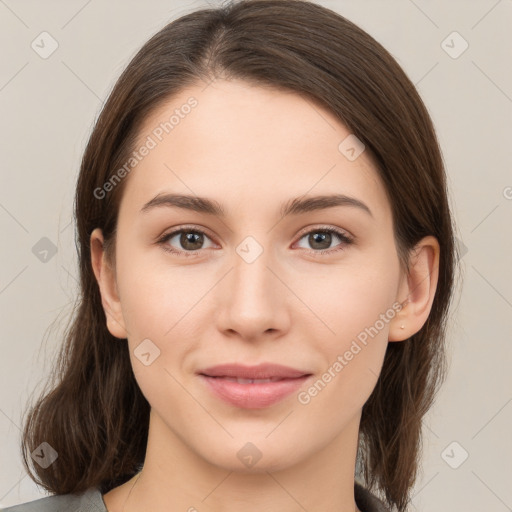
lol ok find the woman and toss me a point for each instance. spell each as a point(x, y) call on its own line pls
point(267, 261)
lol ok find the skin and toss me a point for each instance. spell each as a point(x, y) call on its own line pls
point(252, 149)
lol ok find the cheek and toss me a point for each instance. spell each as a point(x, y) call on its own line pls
point(352, 358)
point(156, 297)
point(343, 301)
point(356, 310)
point(162, 305)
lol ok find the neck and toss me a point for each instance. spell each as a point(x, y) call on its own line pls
point(178, 478)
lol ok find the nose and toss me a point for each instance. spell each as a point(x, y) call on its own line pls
point(254, 302)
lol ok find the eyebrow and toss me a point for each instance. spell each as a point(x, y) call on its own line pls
point(294, 206)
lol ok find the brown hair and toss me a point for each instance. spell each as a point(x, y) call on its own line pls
point(95, 415)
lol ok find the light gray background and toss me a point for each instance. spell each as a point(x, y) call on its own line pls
point(48, 108)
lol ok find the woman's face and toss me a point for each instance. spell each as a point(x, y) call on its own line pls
point(252, 286)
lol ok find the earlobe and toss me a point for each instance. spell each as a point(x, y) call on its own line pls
point(107, 285)
point(418, 289)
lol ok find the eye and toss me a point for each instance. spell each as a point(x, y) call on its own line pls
point(320, 240)
point(190, 240)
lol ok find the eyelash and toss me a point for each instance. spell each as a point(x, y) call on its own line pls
point(345, 240)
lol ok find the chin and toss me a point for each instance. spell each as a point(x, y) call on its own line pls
point(253, 457)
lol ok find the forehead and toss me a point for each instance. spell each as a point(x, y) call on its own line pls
point(246, 144)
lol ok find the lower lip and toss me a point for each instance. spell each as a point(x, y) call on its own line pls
point(253, 396)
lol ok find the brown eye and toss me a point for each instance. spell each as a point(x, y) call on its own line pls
point(320, 240)
point(183, 241)
point(191, 240)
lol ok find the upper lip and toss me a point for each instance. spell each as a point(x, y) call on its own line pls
point(261, 371)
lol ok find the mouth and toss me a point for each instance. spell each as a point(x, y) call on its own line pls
point(261, 371)
point(253, 387)
point(247, 381)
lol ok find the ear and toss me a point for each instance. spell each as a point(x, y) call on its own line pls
point(417, 290)
point(105, 277)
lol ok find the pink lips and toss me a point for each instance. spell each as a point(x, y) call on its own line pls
point(222, 380)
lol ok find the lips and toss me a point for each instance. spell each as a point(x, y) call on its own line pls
point(253, 387)
point(249, 381)
point(262, 371)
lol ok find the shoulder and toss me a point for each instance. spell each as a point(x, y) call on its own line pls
point(366, 501)
point(89, 501)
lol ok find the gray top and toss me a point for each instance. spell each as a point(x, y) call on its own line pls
point(92, 501)
point(89, 501)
